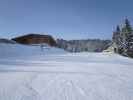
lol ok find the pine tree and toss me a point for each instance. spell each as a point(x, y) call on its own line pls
point(127, 31)
point(117, 39)
point(118, 29)
point(123, 39)
point(128, 26)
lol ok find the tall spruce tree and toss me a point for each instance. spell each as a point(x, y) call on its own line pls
point(123, 39)
point(128, 26)
point(118, 29)
point(116, 39)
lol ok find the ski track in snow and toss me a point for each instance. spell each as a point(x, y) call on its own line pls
point(83, 76)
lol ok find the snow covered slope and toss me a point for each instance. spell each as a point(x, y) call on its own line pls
point(64, 76)
point(17, 50)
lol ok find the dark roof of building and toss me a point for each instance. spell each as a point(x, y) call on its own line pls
point(33, 35)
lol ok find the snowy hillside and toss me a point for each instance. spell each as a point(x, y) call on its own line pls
point(7, 41)
point(29, 74)
point(17, 50)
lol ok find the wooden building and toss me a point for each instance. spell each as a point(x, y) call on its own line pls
point(30, 39)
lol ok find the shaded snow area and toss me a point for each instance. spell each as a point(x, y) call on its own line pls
point(27, 73)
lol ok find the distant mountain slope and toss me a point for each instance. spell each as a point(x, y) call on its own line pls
point(90, 45)
point(7, 41)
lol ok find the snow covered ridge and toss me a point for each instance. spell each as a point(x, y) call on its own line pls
point(17, 50)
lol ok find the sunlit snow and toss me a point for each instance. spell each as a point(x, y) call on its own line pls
point(33, 73)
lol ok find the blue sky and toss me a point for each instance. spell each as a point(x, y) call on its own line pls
point(68, 19)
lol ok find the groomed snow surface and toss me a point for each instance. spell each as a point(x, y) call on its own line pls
point(33, 73)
